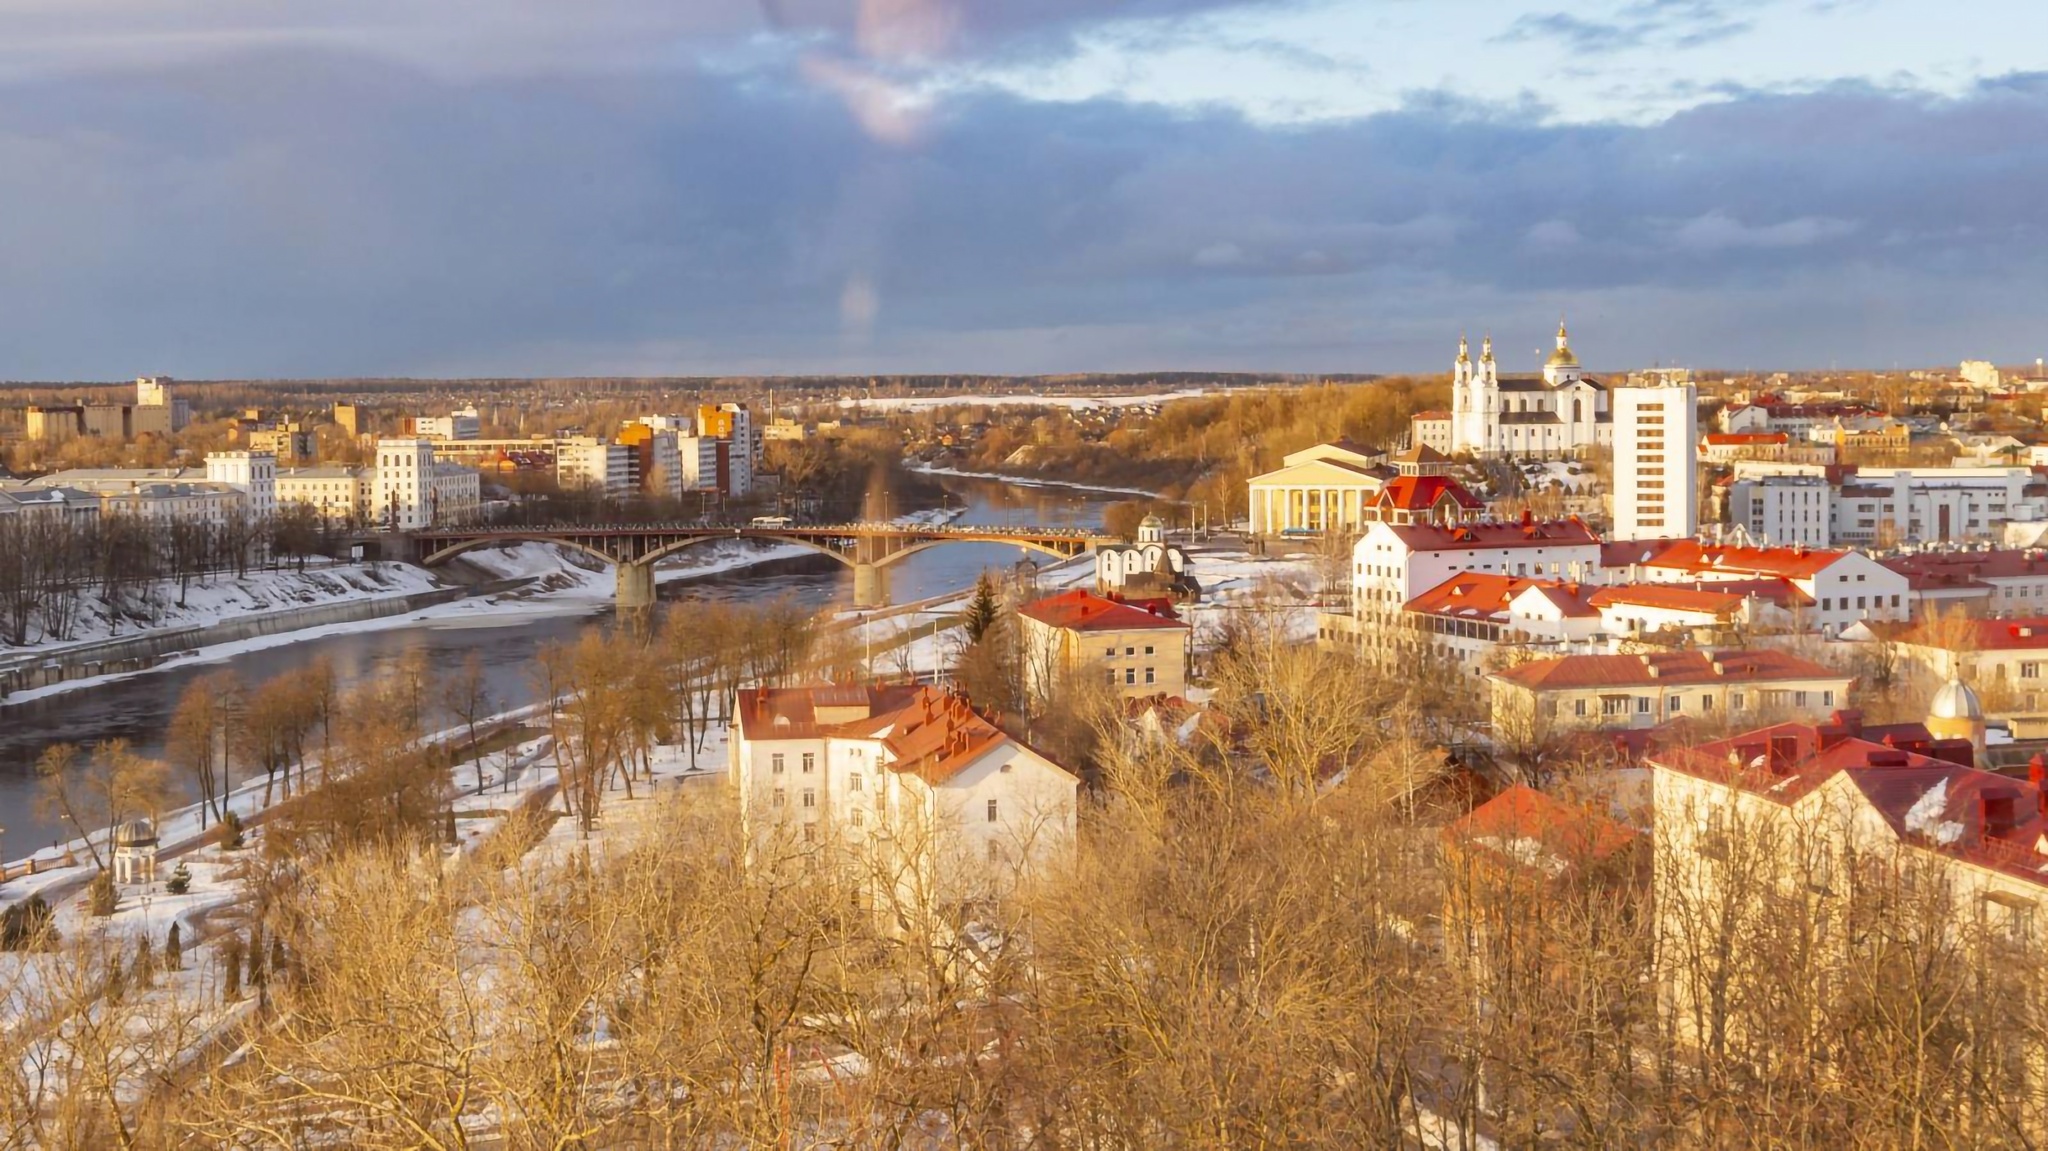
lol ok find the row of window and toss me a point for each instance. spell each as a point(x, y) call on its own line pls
point(1131, 676)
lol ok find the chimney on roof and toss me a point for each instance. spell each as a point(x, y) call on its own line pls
point(2001, 812)
point(1782, 753)
point(1850, 719)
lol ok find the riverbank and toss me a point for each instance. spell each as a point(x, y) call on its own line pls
point(523, 582)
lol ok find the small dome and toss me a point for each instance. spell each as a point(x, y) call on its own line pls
point(1563, 358)
point(1955, 700)
point(135, 833)
point(1152, 522)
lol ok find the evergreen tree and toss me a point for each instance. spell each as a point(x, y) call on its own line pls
point(145, 963)
point(231, 831)
point(180, 881)
point(174, 950)
point(984, 610)
point(102, 898)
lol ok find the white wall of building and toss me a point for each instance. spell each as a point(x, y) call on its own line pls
point(1655, 483)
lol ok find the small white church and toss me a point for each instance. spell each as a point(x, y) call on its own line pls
point(1560, 414)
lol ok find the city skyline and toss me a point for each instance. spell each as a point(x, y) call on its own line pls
point(818, 187)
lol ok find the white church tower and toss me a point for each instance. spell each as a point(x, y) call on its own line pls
point(1475, 399)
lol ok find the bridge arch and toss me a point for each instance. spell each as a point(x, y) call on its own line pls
point(535, 537)
point(669, 549)
point(1026, 545)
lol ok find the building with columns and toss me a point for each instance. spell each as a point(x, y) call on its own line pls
point(1327, 488)
point(1559, 414)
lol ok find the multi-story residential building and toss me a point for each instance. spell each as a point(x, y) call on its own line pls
point(1138, 651)
point(1645, 611)
point(589, 462)
point(1655, 482)
point(1432, 430)
point(735, 424)
point(1768, 413)
point(1326, 488)
point(464, 424)
point(923, 806)
point(1783, 503)
point(252, 473)
point(338, 493)
point(2004, 582)
point(1839, 588)
point(1582, 692)
point(411, 491)
point(656, 459)
point(2005, 659)
point(1789, 829)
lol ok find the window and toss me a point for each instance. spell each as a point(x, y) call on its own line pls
point(860, 818)
point(1579, 707)
point(991, 811)
point(1149, 676)
point(1643, 705)
point(810, 833)
point(854, 782)
point(1130, 651)
point(780, 797)
point(1677, 704)
point(810, 797)
point(2030, 671)
point(1827, 603)
point(1148, 649)
point(775, 763)
point(1110, 653)
point(810, 762)
point(1130, 675)
point(1112, 677)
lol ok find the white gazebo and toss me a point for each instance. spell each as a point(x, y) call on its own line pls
point(135, 852)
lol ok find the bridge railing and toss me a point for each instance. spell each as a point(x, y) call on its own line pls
point(688, 528)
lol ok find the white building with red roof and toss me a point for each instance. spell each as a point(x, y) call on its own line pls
point(920, 805)
point(1138, 651)
point(1844, 587)
point(1394, 563)
point(1465, 619)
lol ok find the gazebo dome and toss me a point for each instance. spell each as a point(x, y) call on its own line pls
point(135, 833)
point(1955, 700)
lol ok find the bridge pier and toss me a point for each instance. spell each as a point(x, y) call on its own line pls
point(636, 586)
point(870, 586)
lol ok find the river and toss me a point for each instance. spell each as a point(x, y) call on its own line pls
point(139, 707)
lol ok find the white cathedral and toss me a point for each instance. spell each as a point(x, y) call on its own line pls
point(1561, 413)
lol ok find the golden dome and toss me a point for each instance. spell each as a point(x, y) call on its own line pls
point(1563, 358)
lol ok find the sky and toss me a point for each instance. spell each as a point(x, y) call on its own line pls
point(247, 188)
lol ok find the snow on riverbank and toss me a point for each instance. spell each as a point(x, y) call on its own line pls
point(223, 597)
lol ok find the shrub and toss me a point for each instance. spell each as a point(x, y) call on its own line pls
point(26, 924)
point(101, 897)
point(179, 883)
point(231, 831)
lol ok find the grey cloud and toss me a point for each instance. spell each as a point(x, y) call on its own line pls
point(366, 217)
point(1674, 24)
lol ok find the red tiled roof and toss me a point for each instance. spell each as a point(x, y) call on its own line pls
point(1938, 802)
point(929, 733)
point(2028, 634)
point(1478, 595)
point(1930, 570)
point(1784, 562)
point(1080, 610)
point(1671, 598)
point(1420, 493)
point(1521, 815)
point(1461, 537)
point(1665, 669)
point(1431, 415)
point(1421, 454)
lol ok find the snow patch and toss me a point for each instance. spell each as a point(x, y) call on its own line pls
point(1925, 816)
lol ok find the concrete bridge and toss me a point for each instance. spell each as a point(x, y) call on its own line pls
point(867, 548)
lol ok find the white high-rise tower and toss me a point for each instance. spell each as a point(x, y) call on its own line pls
point(1654, 479)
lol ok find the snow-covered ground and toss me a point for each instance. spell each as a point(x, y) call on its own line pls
point(223, 596)
point(1548, 474)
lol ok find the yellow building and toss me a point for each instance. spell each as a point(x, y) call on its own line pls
point(1137, 652)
